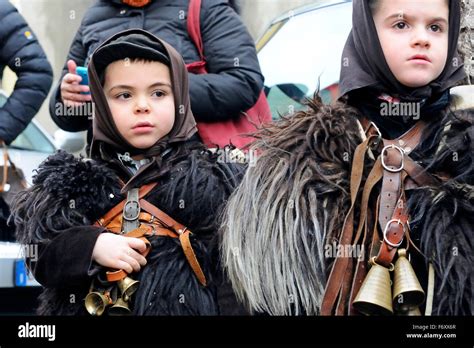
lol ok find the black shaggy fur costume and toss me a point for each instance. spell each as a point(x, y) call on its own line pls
point(292, 204)
point(70, 193)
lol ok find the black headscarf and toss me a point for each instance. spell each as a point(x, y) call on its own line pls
point(364, 64)
point(137, 43)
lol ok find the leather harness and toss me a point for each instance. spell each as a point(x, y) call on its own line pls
point(398, 172)
point(151, 221)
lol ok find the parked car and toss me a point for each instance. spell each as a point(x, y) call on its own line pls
point(30, 148)
point(18, 289)
point(301, 52)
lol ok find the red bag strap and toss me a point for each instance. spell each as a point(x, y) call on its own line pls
point(194, 26)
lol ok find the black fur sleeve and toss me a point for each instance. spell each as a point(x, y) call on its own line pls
point(57, 213)
point(443, 216)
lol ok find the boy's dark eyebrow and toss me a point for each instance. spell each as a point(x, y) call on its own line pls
point(157, 84)
point(121, 87)
point(401, 15)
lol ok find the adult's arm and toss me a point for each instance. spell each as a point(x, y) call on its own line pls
point(234, 81)
point(21, 51)
point(70, 120)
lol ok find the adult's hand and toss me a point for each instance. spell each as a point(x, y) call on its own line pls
point(71, 89)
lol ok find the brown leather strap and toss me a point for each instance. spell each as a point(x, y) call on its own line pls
point(419, 174)
point(393, 216)
point(342, 271)
point(113, 276)
point(162, 217)
point(183, 233)
point(361, 267)
point(374, 177)
point(191, 257)
point(5, 166)
point(336, 276)
point(154, 222)
point(112, 213)
point(393, 234)
point(392, 158)
point(115, 225)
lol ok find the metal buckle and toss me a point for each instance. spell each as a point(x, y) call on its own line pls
point(181, 231)
point(402, 153)
point(386, 230)
point(131, 210)
point(377, 136)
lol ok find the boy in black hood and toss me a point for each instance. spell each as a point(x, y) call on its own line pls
point(143, 144)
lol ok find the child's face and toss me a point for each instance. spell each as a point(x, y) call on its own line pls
point(414, 38)
point(141, 100)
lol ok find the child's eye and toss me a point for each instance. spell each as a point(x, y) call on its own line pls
point(401, 25)
point(124, 95)
point(436, 28)
point(158, 94)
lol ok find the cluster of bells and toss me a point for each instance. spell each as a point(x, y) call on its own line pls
point(97, 302)
point(375, 295)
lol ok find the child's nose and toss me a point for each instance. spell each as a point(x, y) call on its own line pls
point(142, 105)
point(420, 37)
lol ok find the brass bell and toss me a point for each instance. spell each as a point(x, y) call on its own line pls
point(120, 308)
point(407, 291)
point(375, 294)
point(96, 302)
point(127, 287)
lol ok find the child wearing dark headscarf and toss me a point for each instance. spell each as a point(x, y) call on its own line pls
point(144, 208)
point(401, 53)
point(357, 194)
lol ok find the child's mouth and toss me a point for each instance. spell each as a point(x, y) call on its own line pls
point(420, 59)
point(143, 127)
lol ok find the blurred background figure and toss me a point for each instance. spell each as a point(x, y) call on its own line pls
point(22, 53)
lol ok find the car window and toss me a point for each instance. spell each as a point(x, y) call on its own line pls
point(33, 139)
point(304, 55)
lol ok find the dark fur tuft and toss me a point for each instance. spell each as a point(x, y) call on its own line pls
point(66, 192)
point(443, 217)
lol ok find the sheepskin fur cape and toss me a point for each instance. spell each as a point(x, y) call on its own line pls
point(291, 205)
point(69, 194)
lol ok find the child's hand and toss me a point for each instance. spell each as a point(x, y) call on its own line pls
point(71, 89)
point(119, 252)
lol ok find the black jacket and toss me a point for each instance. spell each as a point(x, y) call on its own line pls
point(71, 194)
point(234, 81)
point(21, 52)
